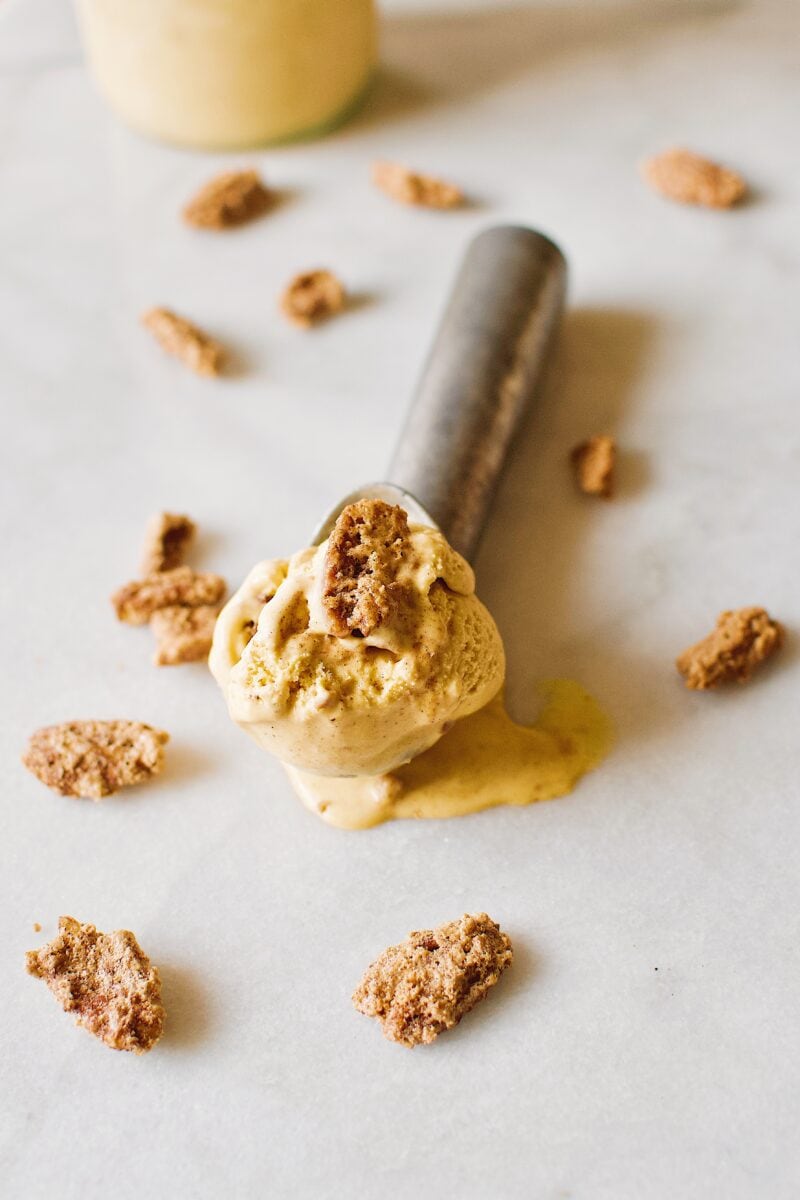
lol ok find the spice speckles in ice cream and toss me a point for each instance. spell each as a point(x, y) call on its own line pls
point(355, 669)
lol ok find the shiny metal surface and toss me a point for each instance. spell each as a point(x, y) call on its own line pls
point(481, 373)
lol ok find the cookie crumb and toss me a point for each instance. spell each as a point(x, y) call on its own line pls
point(427, 983)
point(742, 639)
point(311, 297)
point(93, 759)
point(135, 602)
point(107, 980)
point(410, 187)
point(183, 634)
point(167, 539)
point(689, 178)
point(37, 927)
point(196, 350)
point(359, 576)
point(594, 462)
point(227, 200)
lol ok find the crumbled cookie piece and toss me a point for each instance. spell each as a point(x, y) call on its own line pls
point(741, 640)
point(688, 178)
point(94, 759)
point(183, 634)
point(168, 537)
point(361, 561)
point(594, 462)
point(312, 297)
point(409, 187)
point(136, 601)
point(229, 199)
point(107, 980)
point(196, 350)
point(428, 982)
point(37, 927)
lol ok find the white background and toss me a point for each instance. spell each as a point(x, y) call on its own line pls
point(645, 1044)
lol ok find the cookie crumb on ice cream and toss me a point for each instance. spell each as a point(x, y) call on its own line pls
point(364, 550)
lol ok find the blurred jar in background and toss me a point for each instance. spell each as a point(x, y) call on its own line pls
point(227, 74)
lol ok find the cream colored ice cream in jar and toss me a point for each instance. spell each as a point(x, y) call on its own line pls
point(228, 74)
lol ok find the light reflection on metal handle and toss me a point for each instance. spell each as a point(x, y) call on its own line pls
point(482, 371)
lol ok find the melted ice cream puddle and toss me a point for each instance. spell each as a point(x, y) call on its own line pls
point(485, 760)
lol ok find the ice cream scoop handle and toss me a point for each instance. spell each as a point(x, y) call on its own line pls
point(481, 373)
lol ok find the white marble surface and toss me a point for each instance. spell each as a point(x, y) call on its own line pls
point(645, 1045)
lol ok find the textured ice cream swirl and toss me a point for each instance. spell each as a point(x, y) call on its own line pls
point(358, 654)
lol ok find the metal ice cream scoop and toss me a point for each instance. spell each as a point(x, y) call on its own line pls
point(482, 371)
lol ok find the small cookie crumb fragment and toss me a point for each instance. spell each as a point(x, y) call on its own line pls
point(135, 602)
point(594, 462)
point(227, 200)
point(183, 634)
point(742, 640)
point(409, 187)
point(196, 350)
point(689, 178)
point(93, 759)
point(427, 983)
point(167, 539)
point(37, 927)
point(312, 297)
point(361, 561)
point(181, 604)
point(107, 980)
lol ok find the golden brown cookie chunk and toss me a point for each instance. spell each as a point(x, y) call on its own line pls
point(741, 640)
point(167, 539)
point(95, 758)
point(594, 465)
point(107, 980)
point(228, 199)
point(196, 350)
point(183, 634)
point(428, 982)
point(409, 187)
point(312, 297)
point(364, 550)
point(136, 602)
point(690, 179)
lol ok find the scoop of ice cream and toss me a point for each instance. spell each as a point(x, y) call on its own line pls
point(358, 654)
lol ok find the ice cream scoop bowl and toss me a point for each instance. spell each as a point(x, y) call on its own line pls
point(363, 700)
